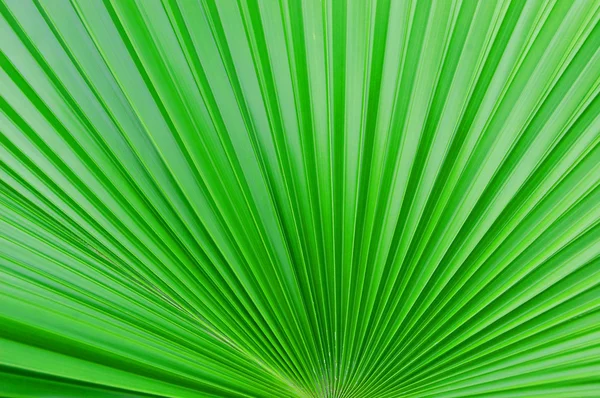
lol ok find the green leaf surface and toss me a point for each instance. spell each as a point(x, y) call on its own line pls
point(286, 198)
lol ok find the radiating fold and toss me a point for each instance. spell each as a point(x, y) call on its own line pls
point(299, 198)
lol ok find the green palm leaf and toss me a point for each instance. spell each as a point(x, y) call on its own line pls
point(292, 198)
